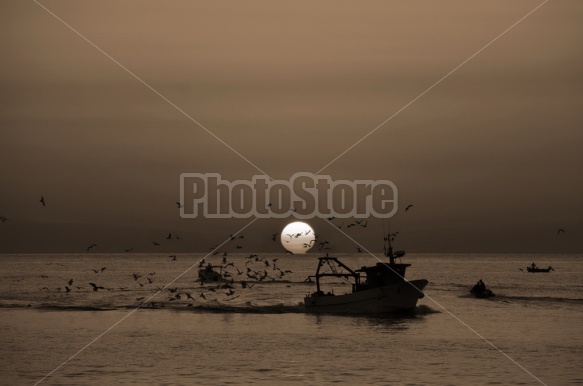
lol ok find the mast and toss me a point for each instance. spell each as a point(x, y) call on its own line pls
point(389, 252)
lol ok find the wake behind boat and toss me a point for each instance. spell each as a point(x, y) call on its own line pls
point(381, 289)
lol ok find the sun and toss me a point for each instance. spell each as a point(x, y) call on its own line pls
point(298, 237)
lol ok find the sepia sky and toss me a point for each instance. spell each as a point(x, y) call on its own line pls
point(491, 157)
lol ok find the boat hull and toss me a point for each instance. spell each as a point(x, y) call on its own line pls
point(388, 299)
point(482, 294)
point(537, 270)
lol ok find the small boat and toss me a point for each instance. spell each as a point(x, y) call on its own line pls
point(208, 274)
point(533, 268)
point(381, 289)
point(480, 291)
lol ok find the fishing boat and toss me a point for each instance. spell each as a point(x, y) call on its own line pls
point(209, 274)
point(537, 269)
point(376, 289)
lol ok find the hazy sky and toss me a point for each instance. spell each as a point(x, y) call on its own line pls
point(491, 157)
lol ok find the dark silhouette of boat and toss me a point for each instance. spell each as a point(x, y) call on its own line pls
point(479, 290)
point(534, 269)
point(376, 289)
point(208, 274)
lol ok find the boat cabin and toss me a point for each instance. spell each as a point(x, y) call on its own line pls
point(383, 274)
point(375, 276)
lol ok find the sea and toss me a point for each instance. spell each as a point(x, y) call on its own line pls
point(154, 323)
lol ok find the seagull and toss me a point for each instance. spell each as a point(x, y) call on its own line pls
point(42, 200)
point(70, 282)
point(358, 250)
point(408, 207)
point(274, 236)
point(169, 237)
point(173, 257)
point(96, 287)
point(155, 243)
point(3, 219)
point(560, 230)
point(136, 276)
point(91, 246)
point(129, 249)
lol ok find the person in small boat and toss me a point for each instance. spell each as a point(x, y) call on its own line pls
point(480, 287)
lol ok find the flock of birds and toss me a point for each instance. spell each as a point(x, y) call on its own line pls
point(231, 280)
point(230, 277)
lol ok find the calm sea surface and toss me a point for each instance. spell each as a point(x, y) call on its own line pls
point(530, 333)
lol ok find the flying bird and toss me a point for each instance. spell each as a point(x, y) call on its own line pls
point(560, 230)
point(408, 207)
point(96, 287)
point(179, 205)
point(129, 249)
point(3, 219)
point(91, 246)
point(155, 243)
point(169, 237)
point(42, 200)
